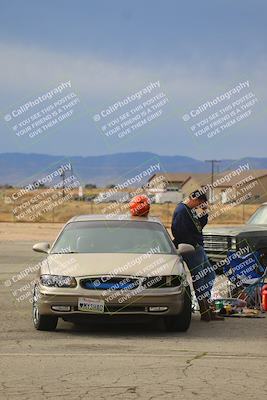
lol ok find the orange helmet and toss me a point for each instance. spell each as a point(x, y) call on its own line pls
point(140, 206)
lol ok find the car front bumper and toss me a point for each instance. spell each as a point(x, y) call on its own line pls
point(170, 298)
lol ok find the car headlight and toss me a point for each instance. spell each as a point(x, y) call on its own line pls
point(233, 243)
point(58, 281)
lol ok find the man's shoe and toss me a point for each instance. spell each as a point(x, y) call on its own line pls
point(216, 317)
point(205, 317)
point(207, 312)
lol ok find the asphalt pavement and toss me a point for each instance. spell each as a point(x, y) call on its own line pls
point(118, 358)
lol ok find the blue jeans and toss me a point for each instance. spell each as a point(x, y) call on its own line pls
point(202, 273)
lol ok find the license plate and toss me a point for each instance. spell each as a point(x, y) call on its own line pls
point(91, 305)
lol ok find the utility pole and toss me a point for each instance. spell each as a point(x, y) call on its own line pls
point(213, 162)
point(63, 183)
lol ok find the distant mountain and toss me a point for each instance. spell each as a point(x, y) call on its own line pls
point(19, 168)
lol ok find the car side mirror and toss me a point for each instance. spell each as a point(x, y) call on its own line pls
point(42, 247)
point(185, 248)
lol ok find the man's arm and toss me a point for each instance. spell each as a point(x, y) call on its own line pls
point(183, 227)
point(203, 220)
point(178, 223)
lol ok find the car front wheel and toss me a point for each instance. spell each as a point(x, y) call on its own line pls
point(42, 322)
point(181, 322)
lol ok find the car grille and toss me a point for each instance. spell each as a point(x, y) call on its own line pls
point(217, 243)
point(129, 283)
point(110, 283)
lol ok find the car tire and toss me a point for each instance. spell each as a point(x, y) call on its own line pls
point(181, 322)
point(42, 322)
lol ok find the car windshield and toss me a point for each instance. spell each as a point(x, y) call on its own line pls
point(114, 237)
point(259, 217)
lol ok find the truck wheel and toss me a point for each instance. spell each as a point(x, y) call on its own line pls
point(181, 322)
point(42, 322)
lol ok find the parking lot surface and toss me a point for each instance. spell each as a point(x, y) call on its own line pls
point(122, 359)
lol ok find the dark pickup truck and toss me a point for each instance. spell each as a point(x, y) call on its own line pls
point(218, 240)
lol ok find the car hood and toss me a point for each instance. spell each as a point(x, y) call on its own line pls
point(233, 230)
point(79, 265)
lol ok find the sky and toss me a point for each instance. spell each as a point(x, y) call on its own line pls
point(109, 50)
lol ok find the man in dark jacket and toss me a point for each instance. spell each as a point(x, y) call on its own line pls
point(189, 219)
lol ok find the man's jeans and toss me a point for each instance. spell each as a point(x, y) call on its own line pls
point(202, 273)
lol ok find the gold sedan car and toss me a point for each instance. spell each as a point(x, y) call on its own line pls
point(120, 265)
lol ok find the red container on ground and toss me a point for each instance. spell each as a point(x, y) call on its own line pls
point(264, 297)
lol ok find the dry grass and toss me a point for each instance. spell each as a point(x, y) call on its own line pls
point(69, 208)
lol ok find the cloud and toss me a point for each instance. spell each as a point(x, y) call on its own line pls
point(30, 68)
point(28, 71)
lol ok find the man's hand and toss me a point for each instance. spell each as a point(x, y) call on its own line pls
point(204, 206)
